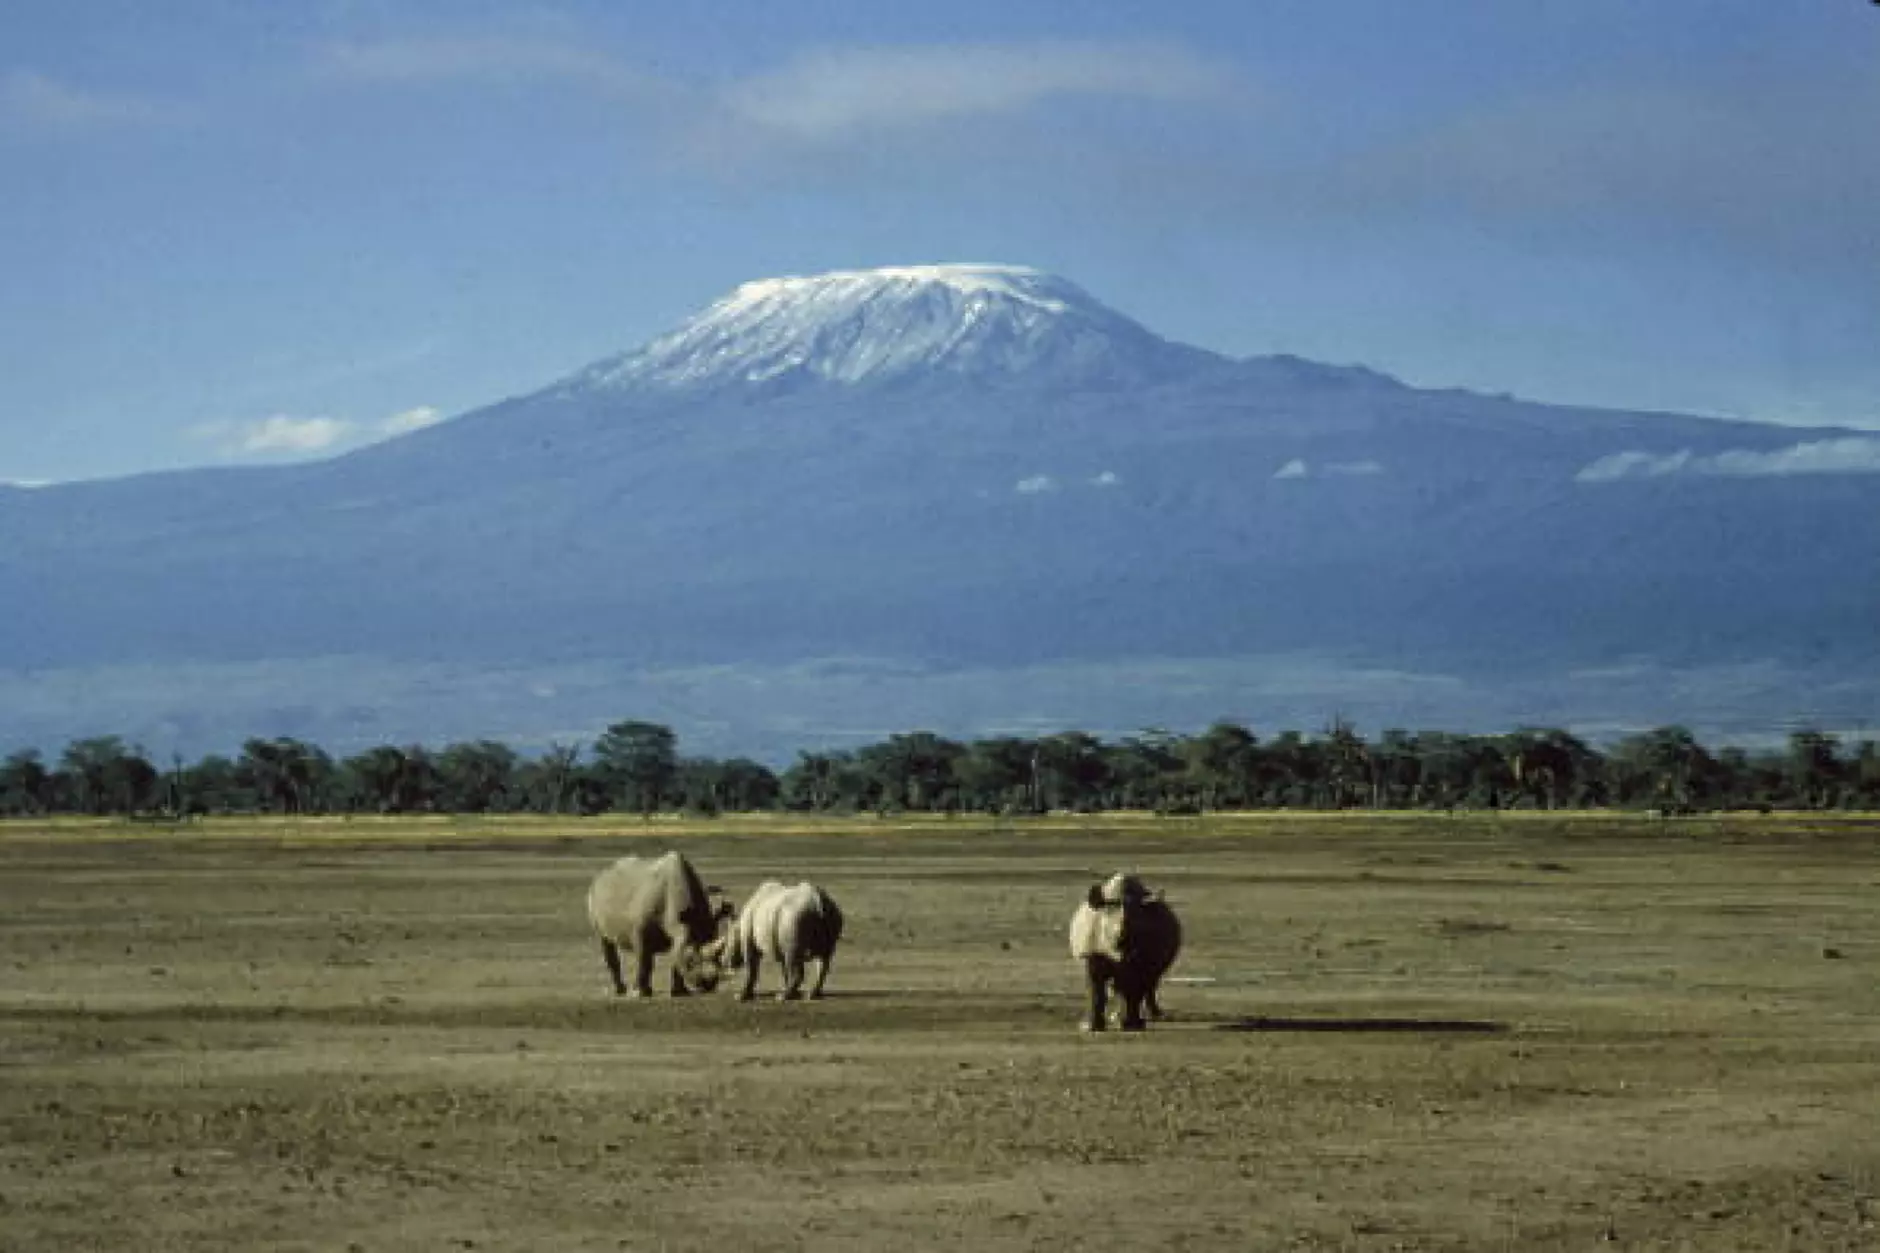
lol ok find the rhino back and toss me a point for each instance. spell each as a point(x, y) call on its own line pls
point(756, 921)
point(807, 921)
point(636, 895)
point(687, 906)
point(794, 919)
point(616, 898)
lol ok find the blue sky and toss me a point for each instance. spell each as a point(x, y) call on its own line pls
point(236, 233)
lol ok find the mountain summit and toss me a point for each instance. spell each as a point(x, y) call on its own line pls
point(997, 324)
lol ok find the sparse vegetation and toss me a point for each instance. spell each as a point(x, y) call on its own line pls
point(1410, 1031)
point(636, 767)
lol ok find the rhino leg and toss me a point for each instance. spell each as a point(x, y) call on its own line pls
point(610, 953)
point(642, 972)
point(753, 960)
point(1097, 980)
point(1134, 990)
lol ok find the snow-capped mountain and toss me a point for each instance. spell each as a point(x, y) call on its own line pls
point(957, 497)
point(988, 323)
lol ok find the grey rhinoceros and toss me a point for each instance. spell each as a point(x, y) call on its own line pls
point(652, 905)
point(1126, 936)
point(790, 925)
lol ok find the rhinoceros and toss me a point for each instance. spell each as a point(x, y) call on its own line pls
point(1126, 936)
point(651, 905)
point(790, 925)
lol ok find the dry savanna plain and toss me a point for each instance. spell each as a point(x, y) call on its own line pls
point(1385, 1032)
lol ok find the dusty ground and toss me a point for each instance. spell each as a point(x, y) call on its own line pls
point(1419, 1034)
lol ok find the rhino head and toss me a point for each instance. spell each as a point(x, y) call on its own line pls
point(1120, 905)
point(702, 966)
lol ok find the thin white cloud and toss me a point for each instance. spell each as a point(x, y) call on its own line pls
point(835, 92)
point(38, 102)
point(818, 100)
point(1108, 478)
point(284, 435)
point(1300, 469)
point(1035, 484)
point(481, 59)
point(278, 433)
point(281, 433)
point(1854, 454)
point(1633, 464)
point(1851, 455)
point(411, 420)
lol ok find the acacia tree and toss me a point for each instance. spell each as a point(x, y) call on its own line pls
point(25, 784)
point(1397, 768)
point(1346, 765)
point(823, 781)
point(1145, 770)
point(394, 780)
point(1665, 767)
point(996, 774)
point(476, 777)
point(1072, 771)
point(637, 763)
point(286, 775)
point(913, 771)
point(548, 783)
point(1864, 774)
point(212, 785)
point(107, 777)
point(1545, 764)
point(708, 786)
point(1814, 768)
point(1222, 765)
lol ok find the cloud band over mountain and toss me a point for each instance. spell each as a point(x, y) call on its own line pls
point(1854, 454)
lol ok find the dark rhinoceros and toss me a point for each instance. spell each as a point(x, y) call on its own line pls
point(1127, 937)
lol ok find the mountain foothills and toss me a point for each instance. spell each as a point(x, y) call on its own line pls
point(970, 498)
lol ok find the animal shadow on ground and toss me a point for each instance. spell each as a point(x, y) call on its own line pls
point(768, 991)
point(1435, 1026)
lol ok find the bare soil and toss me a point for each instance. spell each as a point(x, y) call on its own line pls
point(1388, 1033)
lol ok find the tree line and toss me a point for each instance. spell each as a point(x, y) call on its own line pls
point(636, 767)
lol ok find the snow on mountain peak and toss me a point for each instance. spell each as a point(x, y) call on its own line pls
point(1013, 282)
point(977, 321)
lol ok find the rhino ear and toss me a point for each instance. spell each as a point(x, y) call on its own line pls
point(1096, 896)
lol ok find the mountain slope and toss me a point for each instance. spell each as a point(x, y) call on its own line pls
point(960, 467)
